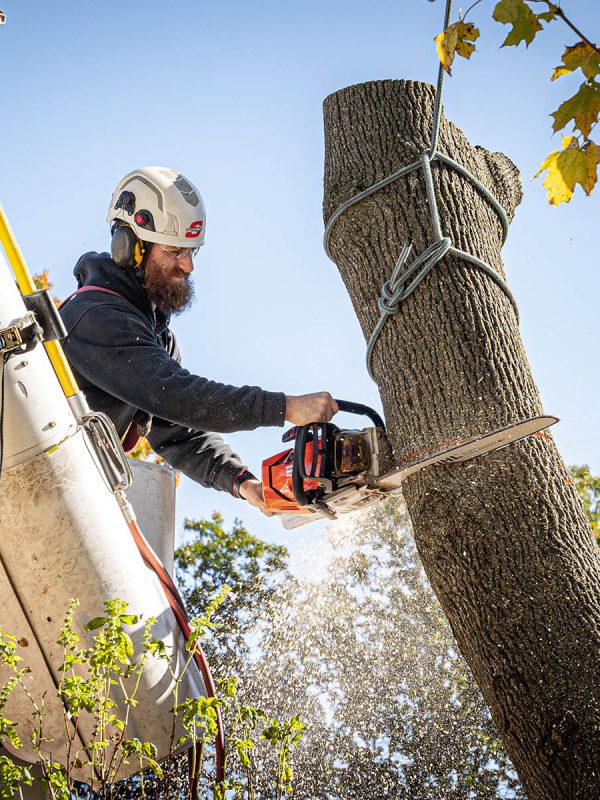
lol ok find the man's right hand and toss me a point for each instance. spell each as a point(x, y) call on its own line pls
point(304, 408)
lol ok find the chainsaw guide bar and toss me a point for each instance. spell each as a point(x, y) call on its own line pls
point(369, 488)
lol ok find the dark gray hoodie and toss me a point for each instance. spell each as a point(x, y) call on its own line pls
point(125, 358)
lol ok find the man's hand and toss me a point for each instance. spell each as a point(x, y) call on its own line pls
point(252, 491)
point(305, 408)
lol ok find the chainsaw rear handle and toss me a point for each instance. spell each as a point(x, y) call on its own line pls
point(359, 408)
point(298, 469)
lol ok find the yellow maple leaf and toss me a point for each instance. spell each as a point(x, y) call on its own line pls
point(580, 56)
point(457, 38)
point(583, 108)
point(592, 159)
point(142, 451)
point(42, 280)
point(568, 167)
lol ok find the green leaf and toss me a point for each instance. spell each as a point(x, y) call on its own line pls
point(525, 24)
point(583, 108)
point(154, 767)
point(547, 16)
point(129, 619)
point(94, 624)
point(580, 56)
point(12, 778)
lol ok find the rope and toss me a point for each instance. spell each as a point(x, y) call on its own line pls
point(406, 277)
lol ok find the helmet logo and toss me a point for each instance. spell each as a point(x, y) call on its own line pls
point(194, 230)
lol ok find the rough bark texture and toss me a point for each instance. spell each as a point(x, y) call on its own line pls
point(504, 539)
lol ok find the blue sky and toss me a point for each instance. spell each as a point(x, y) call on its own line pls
point(231, 94)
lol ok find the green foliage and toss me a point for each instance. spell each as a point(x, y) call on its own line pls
point(525, 23)
point(582, 109)
point(577, 162)
point(238, 560)
point(101, 680)
point(215, 558)
point(9, 659)
point(588, 488)
point(12, 778)
point(283, 737)
point(581, 56)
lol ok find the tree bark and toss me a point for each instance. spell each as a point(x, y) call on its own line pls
point(504, 539)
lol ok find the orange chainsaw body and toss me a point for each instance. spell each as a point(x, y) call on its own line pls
point(277, 482)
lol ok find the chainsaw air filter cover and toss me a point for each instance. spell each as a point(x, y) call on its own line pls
point(350, 453)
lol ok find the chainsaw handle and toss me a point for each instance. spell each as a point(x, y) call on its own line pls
point(298, 471)
point(359, 408)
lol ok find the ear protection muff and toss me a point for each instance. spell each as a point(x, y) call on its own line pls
point(125, 247)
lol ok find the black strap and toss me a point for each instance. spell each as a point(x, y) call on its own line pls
point(23, 335)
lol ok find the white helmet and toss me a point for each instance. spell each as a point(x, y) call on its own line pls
point(160, 205)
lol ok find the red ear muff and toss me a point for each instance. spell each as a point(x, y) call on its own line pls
point(125, 248)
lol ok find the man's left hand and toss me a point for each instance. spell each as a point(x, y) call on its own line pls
point(252, 491)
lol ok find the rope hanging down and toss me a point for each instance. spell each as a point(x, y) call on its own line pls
point(406, 277)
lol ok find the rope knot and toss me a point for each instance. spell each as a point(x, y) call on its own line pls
point(389, 302)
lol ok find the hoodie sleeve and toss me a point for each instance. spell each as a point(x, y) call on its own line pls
point(111, 346)
point(203, 457)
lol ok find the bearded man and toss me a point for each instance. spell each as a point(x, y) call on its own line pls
point(125, 356)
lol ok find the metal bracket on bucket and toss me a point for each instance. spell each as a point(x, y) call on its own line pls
point(108, 449)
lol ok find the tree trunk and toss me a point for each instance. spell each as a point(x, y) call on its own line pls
point(504, 539)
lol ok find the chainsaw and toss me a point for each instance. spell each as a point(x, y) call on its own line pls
point(331, 471)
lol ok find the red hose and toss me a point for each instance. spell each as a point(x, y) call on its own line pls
point(179, 611)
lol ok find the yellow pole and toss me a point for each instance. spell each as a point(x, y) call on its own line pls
point(15, 256)
point(27, 286)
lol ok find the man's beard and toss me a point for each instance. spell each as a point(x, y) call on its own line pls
point(170, 298)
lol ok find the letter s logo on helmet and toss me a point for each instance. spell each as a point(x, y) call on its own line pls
point(195, 229)
point(174, 203)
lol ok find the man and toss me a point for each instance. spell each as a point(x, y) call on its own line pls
point(126, 359)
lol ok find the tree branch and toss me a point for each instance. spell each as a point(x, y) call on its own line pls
point(560, 13)
point(470, 8)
